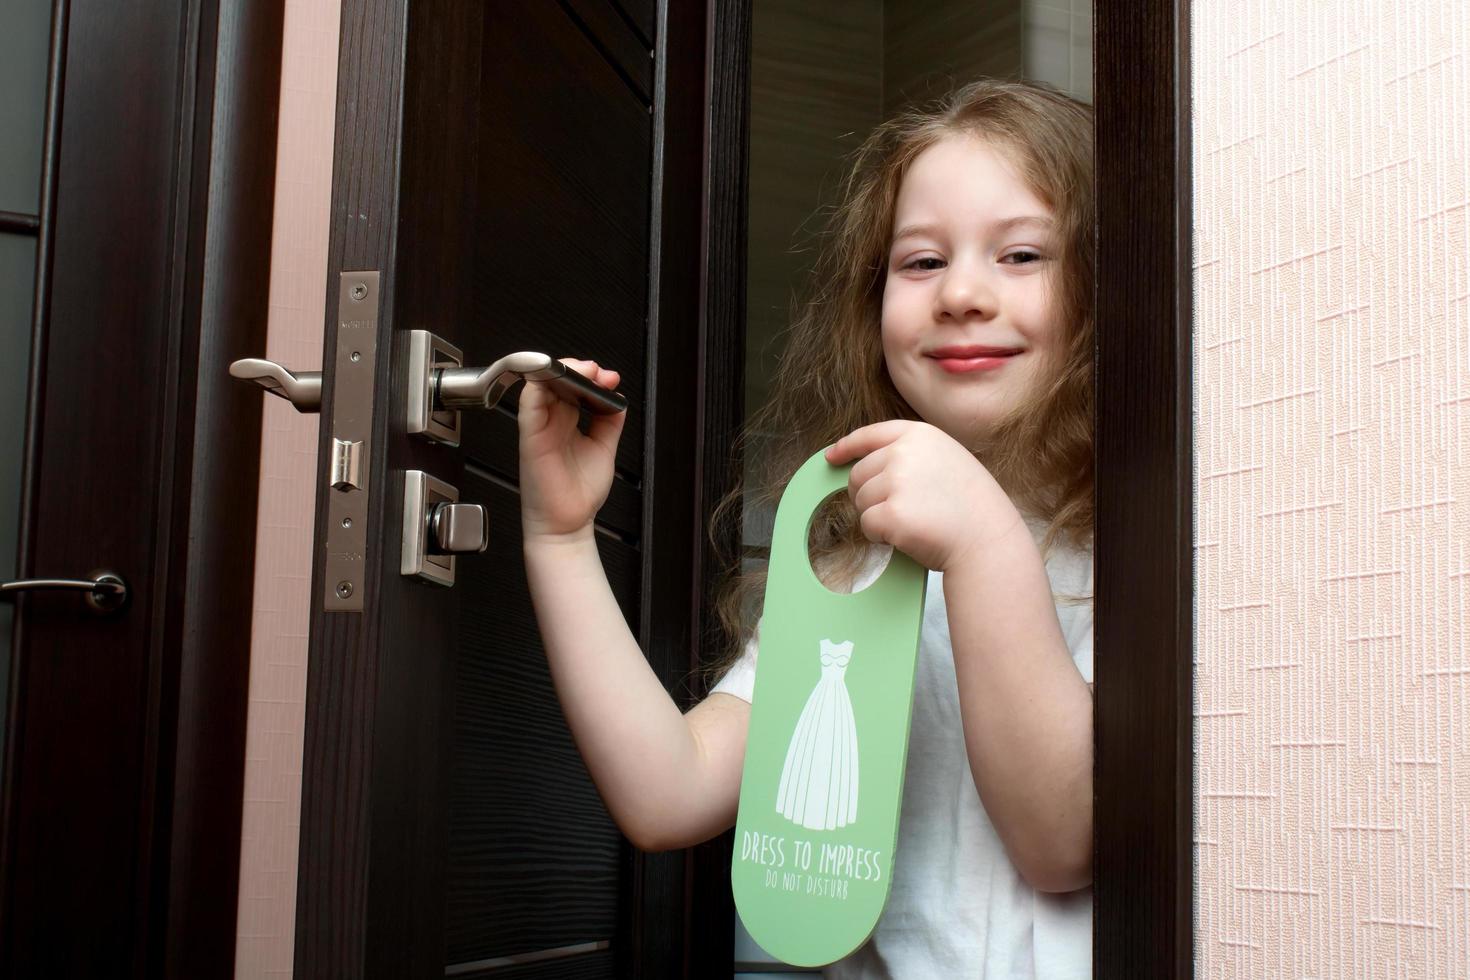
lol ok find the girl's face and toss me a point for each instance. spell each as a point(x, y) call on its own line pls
point(970, 270)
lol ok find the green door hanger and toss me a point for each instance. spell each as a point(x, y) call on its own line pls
point(829, 733)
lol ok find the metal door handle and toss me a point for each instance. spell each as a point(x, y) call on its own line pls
point(303, 389)
point(482, 387)
point(440, 386)
point(105, 591)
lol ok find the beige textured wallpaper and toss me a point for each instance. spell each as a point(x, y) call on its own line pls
point(1332, 560)
point(265, 934)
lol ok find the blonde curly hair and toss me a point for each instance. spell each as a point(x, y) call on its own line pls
point(1041, 453)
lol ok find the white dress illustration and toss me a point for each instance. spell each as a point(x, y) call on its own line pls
point(819, 782)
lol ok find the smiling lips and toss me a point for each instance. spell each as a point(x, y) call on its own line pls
point(959, 360)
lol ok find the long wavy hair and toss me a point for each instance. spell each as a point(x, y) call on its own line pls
point(833, 378)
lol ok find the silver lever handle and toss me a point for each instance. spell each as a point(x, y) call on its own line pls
point(105, 591)
point(456, 388)
point(303, 389)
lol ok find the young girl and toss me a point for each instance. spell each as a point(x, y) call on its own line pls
point(946, 347)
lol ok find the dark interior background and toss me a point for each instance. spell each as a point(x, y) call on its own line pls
point(822, 76)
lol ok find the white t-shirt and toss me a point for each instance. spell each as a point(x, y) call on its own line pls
point(958, 907)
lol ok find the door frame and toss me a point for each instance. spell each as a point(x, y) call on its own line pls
point(153, 251)
point(1143, 800)
point(1143, 778)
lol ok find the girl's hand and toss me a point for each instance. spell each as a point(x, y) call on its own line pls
point(920, 491)
point(565, 476)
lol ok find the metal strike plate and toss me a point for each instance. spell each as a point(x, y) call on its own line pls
point(352, 449)
point(421, 494)
point(426, 355)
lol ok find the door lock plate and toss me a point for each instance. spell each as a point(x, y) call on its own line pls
point(351, 447)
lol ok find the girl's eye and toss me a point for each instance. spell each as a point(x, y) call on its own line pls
point(919, 263)
point(1034, 255)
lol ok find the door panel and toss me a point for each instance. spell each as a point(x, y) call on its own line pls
point(543, 196)
point(561, 242)
point(534, 859)
point(124, 748)
point(641, 13)
point(487, 447)
point(23, 79)
point(84, 735)
point(560, 234)
point(17, 273)
point(588, 967)
point(562, 212)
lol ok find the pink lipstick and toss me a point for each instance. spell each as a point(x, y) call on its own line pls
point(963, 359)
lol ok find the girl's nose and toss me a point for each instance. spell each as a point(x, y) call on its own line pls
point(965, 293)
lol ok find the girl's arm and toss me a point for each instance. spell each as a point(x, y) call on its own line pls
point(1027, 712)
point(668, 780)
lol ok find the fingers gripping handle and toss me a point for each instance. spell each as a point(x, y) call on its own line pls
point(440, 386)
point(457, 388)
point(573, 385)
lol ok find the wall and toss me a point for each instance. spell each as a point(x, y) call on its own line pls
point(816, 88)
point(928, 48)
point(1332, 554)
point(265, 939)
point(1057, 39)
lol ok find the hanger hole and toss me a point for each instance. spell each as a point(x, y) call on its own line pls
point(827, 528)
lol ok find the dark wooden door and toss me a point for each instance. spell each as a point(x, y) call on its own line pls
point(547, 177)
point(125, 734)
